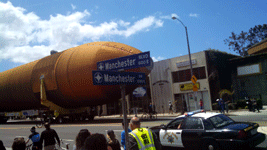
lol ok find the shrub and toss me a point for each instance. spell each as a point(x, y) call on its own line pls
point(215, 106)
point(259, 102)
point(232, 106)
point(241, 104)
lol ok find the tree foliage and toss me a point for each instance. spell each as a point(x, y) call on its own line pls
point(240, 43)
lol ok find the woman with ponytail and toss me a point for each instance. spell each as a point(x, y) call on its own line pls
point(112, 141)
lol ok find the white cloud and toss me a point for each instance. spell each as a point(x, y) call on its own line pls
point(24, 54)
point(175, 15)
point(159, 58)
point(166, 17)
point(193, 15)
point(143, 24)
point(124, 24)
point(159, 23)
point(73, 7)
point(25, 37)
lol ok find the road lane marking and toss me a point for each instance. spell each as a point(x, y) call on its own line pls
point(111, 124)
point(9, 128)
point(15, 128)
point(68, 140)
point(19, 136)
point(58, 126)
point(115, 130)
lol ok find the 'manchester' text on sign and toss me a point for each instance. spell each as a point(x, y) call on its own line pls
point(127, 62)
point(116, 78)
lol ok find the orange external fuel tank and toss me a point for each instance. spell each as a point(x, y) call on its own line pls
point(67, 78)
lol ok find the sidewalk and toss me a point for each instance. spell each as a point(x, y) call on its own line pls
point(238, 112)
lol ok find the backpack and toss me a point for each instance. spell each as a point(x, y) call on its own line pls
point(36, 138)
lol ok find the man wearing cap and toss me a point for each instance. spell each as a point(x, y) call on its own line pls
point(35, 137)
point(221, 103)
point(142, 138)
point(48, 136)
point(170, 107)
point(219, 106)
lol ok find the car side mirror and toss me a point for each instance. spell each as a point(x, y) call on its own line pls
point(163, 127)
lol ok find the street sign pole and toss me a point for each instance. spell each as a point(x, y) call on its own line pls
point(124, 109)
point(107, 77)
point(194, 80)
point(124, 115)
point(195, 93)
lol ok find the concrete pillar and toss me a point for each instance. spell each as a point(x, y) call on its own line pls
point(105, 111)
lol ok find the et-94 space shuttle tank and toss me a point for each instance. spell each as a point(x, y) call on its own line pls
point(66, 80)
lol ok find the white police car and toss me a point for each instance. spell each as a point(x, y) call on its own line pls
point(211, 131)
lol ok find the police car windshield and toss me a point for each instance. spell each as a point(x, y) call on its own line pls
point(221, 120)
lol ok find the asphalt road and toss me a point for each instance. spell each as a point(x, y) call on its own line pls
point(68, 132)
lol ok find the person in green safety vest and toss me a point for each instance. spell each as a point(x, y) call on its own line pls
point(142, 138)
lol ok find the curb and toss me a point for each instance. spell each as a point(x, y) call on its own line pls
point(230, 113)
point(262, 129)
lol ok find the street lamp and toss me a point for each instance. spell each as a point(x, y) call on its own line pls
point(191, 68)
point(187, 45)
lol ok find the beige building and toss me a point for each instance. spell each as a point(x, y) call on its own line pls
point(170, 80)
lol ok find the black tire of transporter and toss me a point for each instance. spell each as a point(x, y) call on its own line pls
point(59, 119)
point(40, 124)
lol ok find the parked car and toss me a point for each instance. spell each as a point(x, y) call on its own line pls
point(209, 131)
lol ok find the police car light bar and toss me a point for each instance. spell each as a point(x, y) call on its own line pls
point(194, 112)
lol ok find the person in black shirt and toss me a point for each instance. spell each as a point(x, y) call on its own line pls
point(255, 105)
point(150, 110)
point(170, 107)
point(112, 141)
point(79, 141)
point(35, 137)
point(249, 103)
point(2, 147)
point(48, 136)
point(19, 144)
point(96, 142)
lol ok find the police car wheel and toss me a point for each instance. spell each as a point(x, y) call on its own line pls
point(211, 145)
point(81, 118)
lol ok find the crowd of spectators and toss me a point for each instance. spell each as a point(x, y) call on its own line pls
point(87, 141)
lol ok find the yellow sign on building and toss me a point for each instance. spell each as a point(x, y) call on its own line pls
point(195, 88)
point(188, 86)
point(194, 79)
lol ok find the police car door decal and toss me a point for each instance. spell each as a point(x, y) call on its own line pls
point(171, 137)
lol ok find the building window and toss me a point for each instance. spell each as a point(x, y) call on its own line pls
point(248, 70)
point(185, 75)
point(175, 77)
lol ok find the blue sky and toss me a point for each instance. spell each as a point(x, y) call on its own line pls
point(29, 29)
